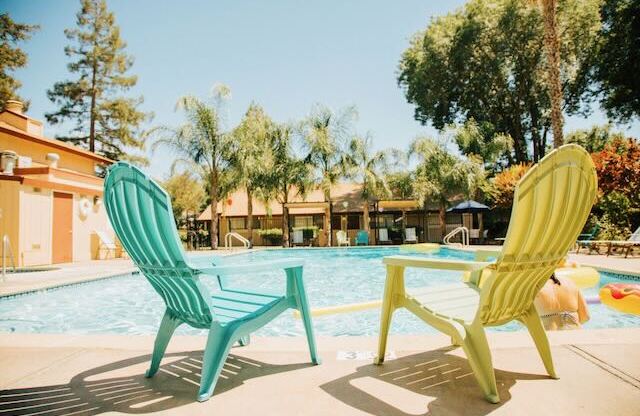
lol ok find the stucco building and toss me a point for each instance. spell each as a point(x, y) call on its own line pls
point(51, 201)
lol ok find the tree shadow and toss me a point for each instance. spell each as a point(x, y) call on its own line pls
point(108, 389)
point(442, 382)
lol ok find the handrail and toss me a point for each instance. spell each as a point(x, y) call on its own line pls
point(462, 230)
point(6, 246)
point(227, 240)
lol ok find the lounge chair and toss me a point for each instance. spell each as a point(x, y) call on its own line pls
point(585, 239)
point(140, 213)
point(610, 246)
point(410, 235)
point(383, 236)
point(362, 238)
point(551, 204)
point(343, 239)
point(105, 243)
point(632, 242)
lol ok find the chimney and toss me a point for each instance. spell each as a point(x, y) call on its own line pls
point(15, 106)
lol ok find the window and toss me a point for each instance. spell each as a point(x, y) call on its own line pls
point(303, 221)
point(353, 222)
point(336, 222)
point(384, 220)
point(239, 223)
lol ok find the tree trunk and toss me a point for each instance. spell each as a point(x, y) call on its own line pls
point(92, 114)
point(551, 43)
point(365, 215)
point(327, 231)
point(442, 216)
point(285, 225)
point(250, 216)
point(214, 210)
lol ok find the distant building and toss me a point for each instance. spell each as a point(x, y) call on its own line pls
point(345, 213)
point(51, 202)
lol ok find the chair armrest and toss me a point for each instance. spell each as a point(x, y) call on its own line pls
point(459, 265)
point(482, 255)
point(226, 270)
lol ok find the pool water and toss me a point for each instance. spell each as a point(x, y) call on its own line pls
point(128, 304)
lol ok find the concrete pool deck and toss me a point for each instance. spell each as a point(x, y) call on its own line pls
point(65, 374)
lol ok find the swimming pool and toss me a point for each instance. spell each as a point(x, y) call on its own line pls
point(128, 304)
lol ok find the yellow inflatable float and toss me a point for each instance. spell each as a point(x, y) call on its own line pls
point(623, 297)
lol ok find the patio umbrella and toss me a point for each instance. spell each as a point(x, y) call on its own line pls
point(469, 206)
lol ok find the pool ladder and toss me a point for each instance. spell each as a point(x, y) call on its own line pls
point(227, 240)
point(6, 249)
point(464, 235)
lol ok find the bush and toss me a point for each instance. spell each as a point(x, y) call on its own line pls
point(272, 235)
point(504, 185)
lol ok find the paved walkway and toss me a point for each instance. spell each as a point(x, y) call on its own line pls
point(55, 375)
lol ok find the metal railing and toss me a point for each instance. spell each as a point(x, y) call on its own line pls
point(464, 235)
point(6, 249)
point(227, 240)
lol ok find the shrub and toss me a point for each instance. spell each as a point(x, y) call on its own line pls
point(504, 185)
point(271, 235)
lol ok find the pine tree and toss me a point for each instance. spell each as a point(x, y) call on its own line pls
point(11, 57)
point(106, 122)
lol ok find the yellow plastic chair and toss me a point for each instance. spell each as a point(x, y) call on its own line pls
point(550, 207)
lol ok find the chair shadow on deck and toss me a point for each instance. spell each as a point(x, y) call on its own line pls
point(429, 383)
point(108, 388)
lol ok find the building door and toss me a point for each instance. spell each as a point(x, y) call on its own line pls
point(62, 235)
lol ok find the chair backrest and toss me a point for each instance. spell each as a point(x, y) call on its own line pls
point(106, 240)
point(550, 206)
point(341, 236)
point(636, 235)
point(140, 213)
point(362, 237)
point(384, 234)
point(410, 234)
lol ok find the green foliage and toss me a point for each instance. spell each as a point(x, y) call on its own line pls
point(593, 139)
point(12, 57)
point(251, 150)
point(366, 167)
point(203, 147)
point(105, 121)
point(485, 61)
point(482, 140)
point(187, 193)
point(616, 64)
point(325, 133)
point(271, 235)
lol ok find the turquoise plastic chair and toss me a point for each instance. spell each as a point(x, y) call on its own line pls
point(362, 238)
point(140, 213)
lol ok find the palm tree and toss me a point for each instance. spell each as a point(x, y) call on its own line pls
point(552, 47)
point(290, 176)
point(251, 149)
point(441, 175)
point(203, 146)
point(325, 132)
point(367, 168)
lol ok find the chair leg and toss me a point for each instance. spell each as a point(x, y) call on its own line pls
point(477, 350)
point(219, 343)
point(167, 327)
point(245, 340)
point(534, 325)
point(388, 308)
point(305, 312)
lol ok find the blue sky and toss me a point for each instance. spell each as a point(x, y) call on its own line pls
point(285, 55)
